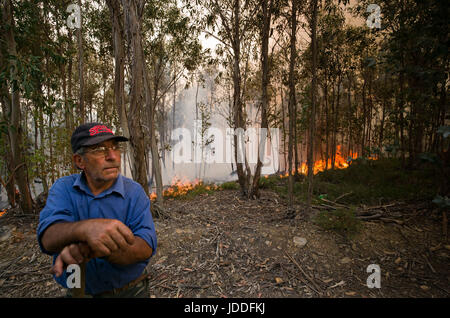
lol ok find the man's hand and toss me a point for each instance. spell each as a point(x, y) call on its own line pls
point(105, 236)
point(75, 253)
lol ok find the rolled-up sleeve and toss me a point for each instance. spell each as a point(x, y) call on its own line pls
point(141, 222)
point(57, 209)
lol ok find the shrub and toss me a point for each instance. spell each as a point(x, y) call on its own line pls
point(232, 185)
point(342, 221)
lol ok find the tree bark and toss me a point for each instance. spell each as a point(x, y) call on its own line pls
point(238, 118)
point(15, 128)
point(81, 67)
point(119, 69)
point(292, 101)
point(151, 103)
point(313, 102)
point(133, 11)
point(267, 14)
point(327, 125)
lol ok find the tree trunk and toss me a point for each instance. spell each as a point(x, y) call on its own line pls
point(327, 125)
point(401, 105)
point(283, 127)
point(369, 114)
point(174, 108)
point(15, 128)
point(267, 13)
point(313, 102)
point(383, 114)
point(151, 103)
point(133, 11)
point(119, 69)
point(238, 119)
point(10, 180)
point(292, 101)
point(81, 67)
point(196, 132)
point(364, 117)
point(333, 112)
point(336, 122)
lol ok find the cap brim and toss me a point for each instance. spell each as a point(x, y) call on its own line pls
point(99, 139)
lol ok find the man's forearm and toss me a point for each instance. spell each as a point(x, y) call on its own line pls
point(59, 235)
point(136, 252)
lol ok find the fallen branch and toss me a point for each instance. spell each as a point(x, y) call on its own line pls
point(378, 207)
point(336, 204)
point(429, 264)
point(329, 206)
point(341, 283)
point(317, 288)
point(389, 220)
point(341, 196)
point(369, 217)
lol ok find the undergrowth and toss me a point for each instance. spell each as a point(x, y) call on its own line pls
point(342, 221)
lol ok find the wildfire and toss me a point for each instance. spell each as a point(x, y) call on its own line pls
point(181, 186)
point(2, 212)
point(339, 163)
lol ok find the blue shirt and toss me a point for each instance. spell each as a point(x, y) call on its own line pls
point(71, 200)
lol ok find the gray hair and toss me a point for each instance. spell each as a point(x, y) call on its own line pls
point(81, 152)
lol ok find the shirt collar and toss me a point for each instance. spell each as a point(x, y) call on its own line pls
point(118, 187)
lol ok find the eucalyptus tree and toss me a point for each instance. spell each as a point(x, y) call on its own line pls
point(11, 91)
point(312, 119)
point(242, 27)
point(230, 22)
point(148, 37)
point(415, 53)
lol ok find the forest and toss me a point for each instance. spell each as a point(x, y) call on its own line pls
point(350, 96)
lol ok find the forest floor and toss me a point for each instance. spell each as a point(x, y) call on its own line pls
point(220, 245)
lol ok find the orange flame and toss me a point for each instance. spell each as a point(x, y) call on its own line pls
point(320, 165)
point(339, 163)
point(2, 212)
point(181, 186)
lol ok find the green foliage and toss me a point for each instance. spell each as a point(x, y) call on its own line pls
point(342, 221)
point(232, 185)
point(370, 181)
point(268, 183)
point(366, 182)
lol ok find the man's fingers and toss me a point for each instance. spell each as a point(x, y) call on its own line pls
point(67, 257)
point(108, 241)
point(84, 250)
point(76, 254)
point(119, 240)
point(58, 267)
point(126, 233)
point(99, 250)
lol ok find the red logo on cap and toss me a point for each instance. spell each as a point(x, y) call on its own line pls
point(99, 129)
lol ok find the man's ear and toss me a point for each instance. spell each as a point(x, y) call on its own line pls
point(78, 161)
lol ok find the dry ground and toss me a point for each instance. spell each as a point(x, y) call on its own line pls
point(220, 245)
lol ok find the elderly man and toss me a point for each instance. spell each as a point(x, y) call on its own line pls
point(100, 218)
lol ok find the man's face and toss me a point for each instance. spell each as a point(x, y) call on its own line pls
point(100, 167)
